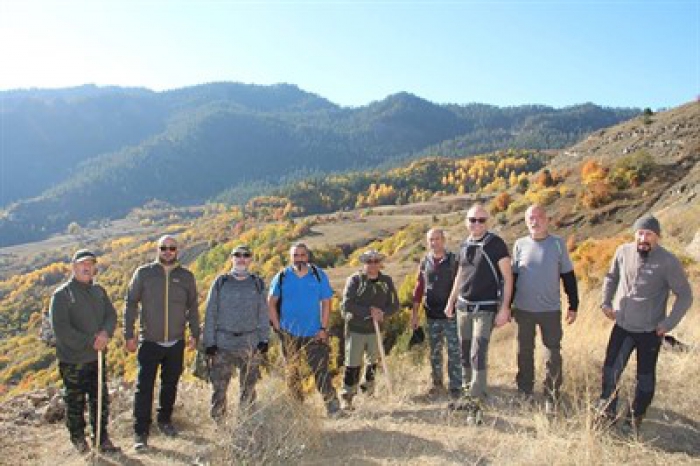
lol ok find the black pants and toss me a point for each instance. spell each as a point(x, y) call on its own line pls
point(620, 348)
point(150, 357)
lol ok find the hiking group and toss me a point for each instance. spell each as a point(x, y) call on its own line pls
point(465, 294)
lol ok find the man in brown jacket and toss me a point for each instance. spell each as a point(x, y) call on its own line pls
point(163, 295)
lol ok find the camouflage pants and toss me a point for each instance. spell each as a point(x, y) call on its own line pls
point(474, 336)
point(317, 354)
point(222, 367)
point(441, 332)
point(80, 381)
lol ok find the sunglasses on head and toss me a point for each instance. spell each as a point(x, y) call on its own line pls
point(168, 248)
point(477, 219)
point(242, 254)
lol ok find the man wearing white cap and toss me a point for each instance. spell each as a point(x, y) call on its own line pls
point(83, 320)
point(635, 297)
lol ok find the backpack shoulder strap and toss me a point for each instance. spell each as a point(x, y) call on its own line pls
point(259, 283)
point(71, 296)
point(220, 280)
point(316, 273)
point(482, 245)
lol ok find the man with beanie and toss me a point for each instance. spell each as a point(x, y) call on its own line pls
point(540, 263)
point(83, 320)
point(236, 331)
point(635, 297)
point(163, 296)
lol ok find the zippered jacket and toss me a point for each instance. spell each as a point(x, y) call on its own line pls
point(164, 302)
point(79, 311)
point(638, 289)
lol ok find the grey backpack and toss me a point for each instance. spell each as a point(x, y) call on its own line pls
point(46, 333)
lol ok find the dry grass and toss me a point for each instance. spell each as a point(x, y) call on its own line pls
point(405, 428)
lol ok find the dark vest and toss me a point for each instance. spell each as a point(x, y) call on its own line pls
point(438, 284)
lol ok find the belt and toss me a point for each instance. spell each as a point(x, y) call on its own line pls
point(476, 306)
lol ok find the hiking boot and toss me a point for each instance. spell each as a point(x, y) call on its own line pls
point(455, 393)
point(631, 425)
point(106, 446)
point(603, 416)
point(333, 408)
point(551, 407)
point(436, 390)
point(81, 445)
point(140, 442)
point(346, 403)
point(367, 388)
point(167, 429)
point(475, 413)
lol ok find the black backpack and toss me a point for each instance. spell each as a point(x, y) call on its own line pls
point(482, 245)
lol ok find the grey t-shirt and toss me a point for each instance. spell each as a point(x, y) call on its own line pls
point(539, 264)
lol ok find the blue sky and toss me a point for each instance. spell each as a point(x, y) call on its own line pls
point(615, 53)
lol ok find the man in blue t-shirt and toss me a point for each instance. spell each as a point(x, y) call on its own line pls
point(300, 307)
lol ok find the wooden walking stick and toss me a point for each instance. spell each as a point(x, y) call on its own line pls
point(100, 375)
point(380, 343)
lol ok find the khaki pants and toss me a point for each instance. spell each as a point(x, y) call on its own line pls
point(359, 347)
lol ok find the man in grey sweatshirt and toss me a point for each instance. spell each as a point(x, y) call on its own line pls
point(635, 297)
point(236, 331)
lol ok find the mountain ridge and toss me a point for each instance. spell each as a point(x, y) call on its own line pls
point(92, 153)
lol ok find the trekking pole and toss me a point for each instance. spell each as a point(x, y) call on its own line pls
point(100, 375)
point(383, 355)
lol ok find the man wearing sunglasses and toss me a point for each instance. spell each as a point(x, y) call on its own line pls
point(236, 331)
point(299, 305)
point(481, 296)
point(369, 297)
point(163, 296)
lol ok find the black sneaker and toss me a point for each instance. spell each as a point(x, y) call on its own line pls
point(140, 442)
point(106, 446)
point(167, 429)
point(631, 425)
point(81, 445)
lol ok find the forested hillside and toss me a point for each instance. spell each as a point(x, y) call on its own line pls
point(85, 154)
point(593, 191)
